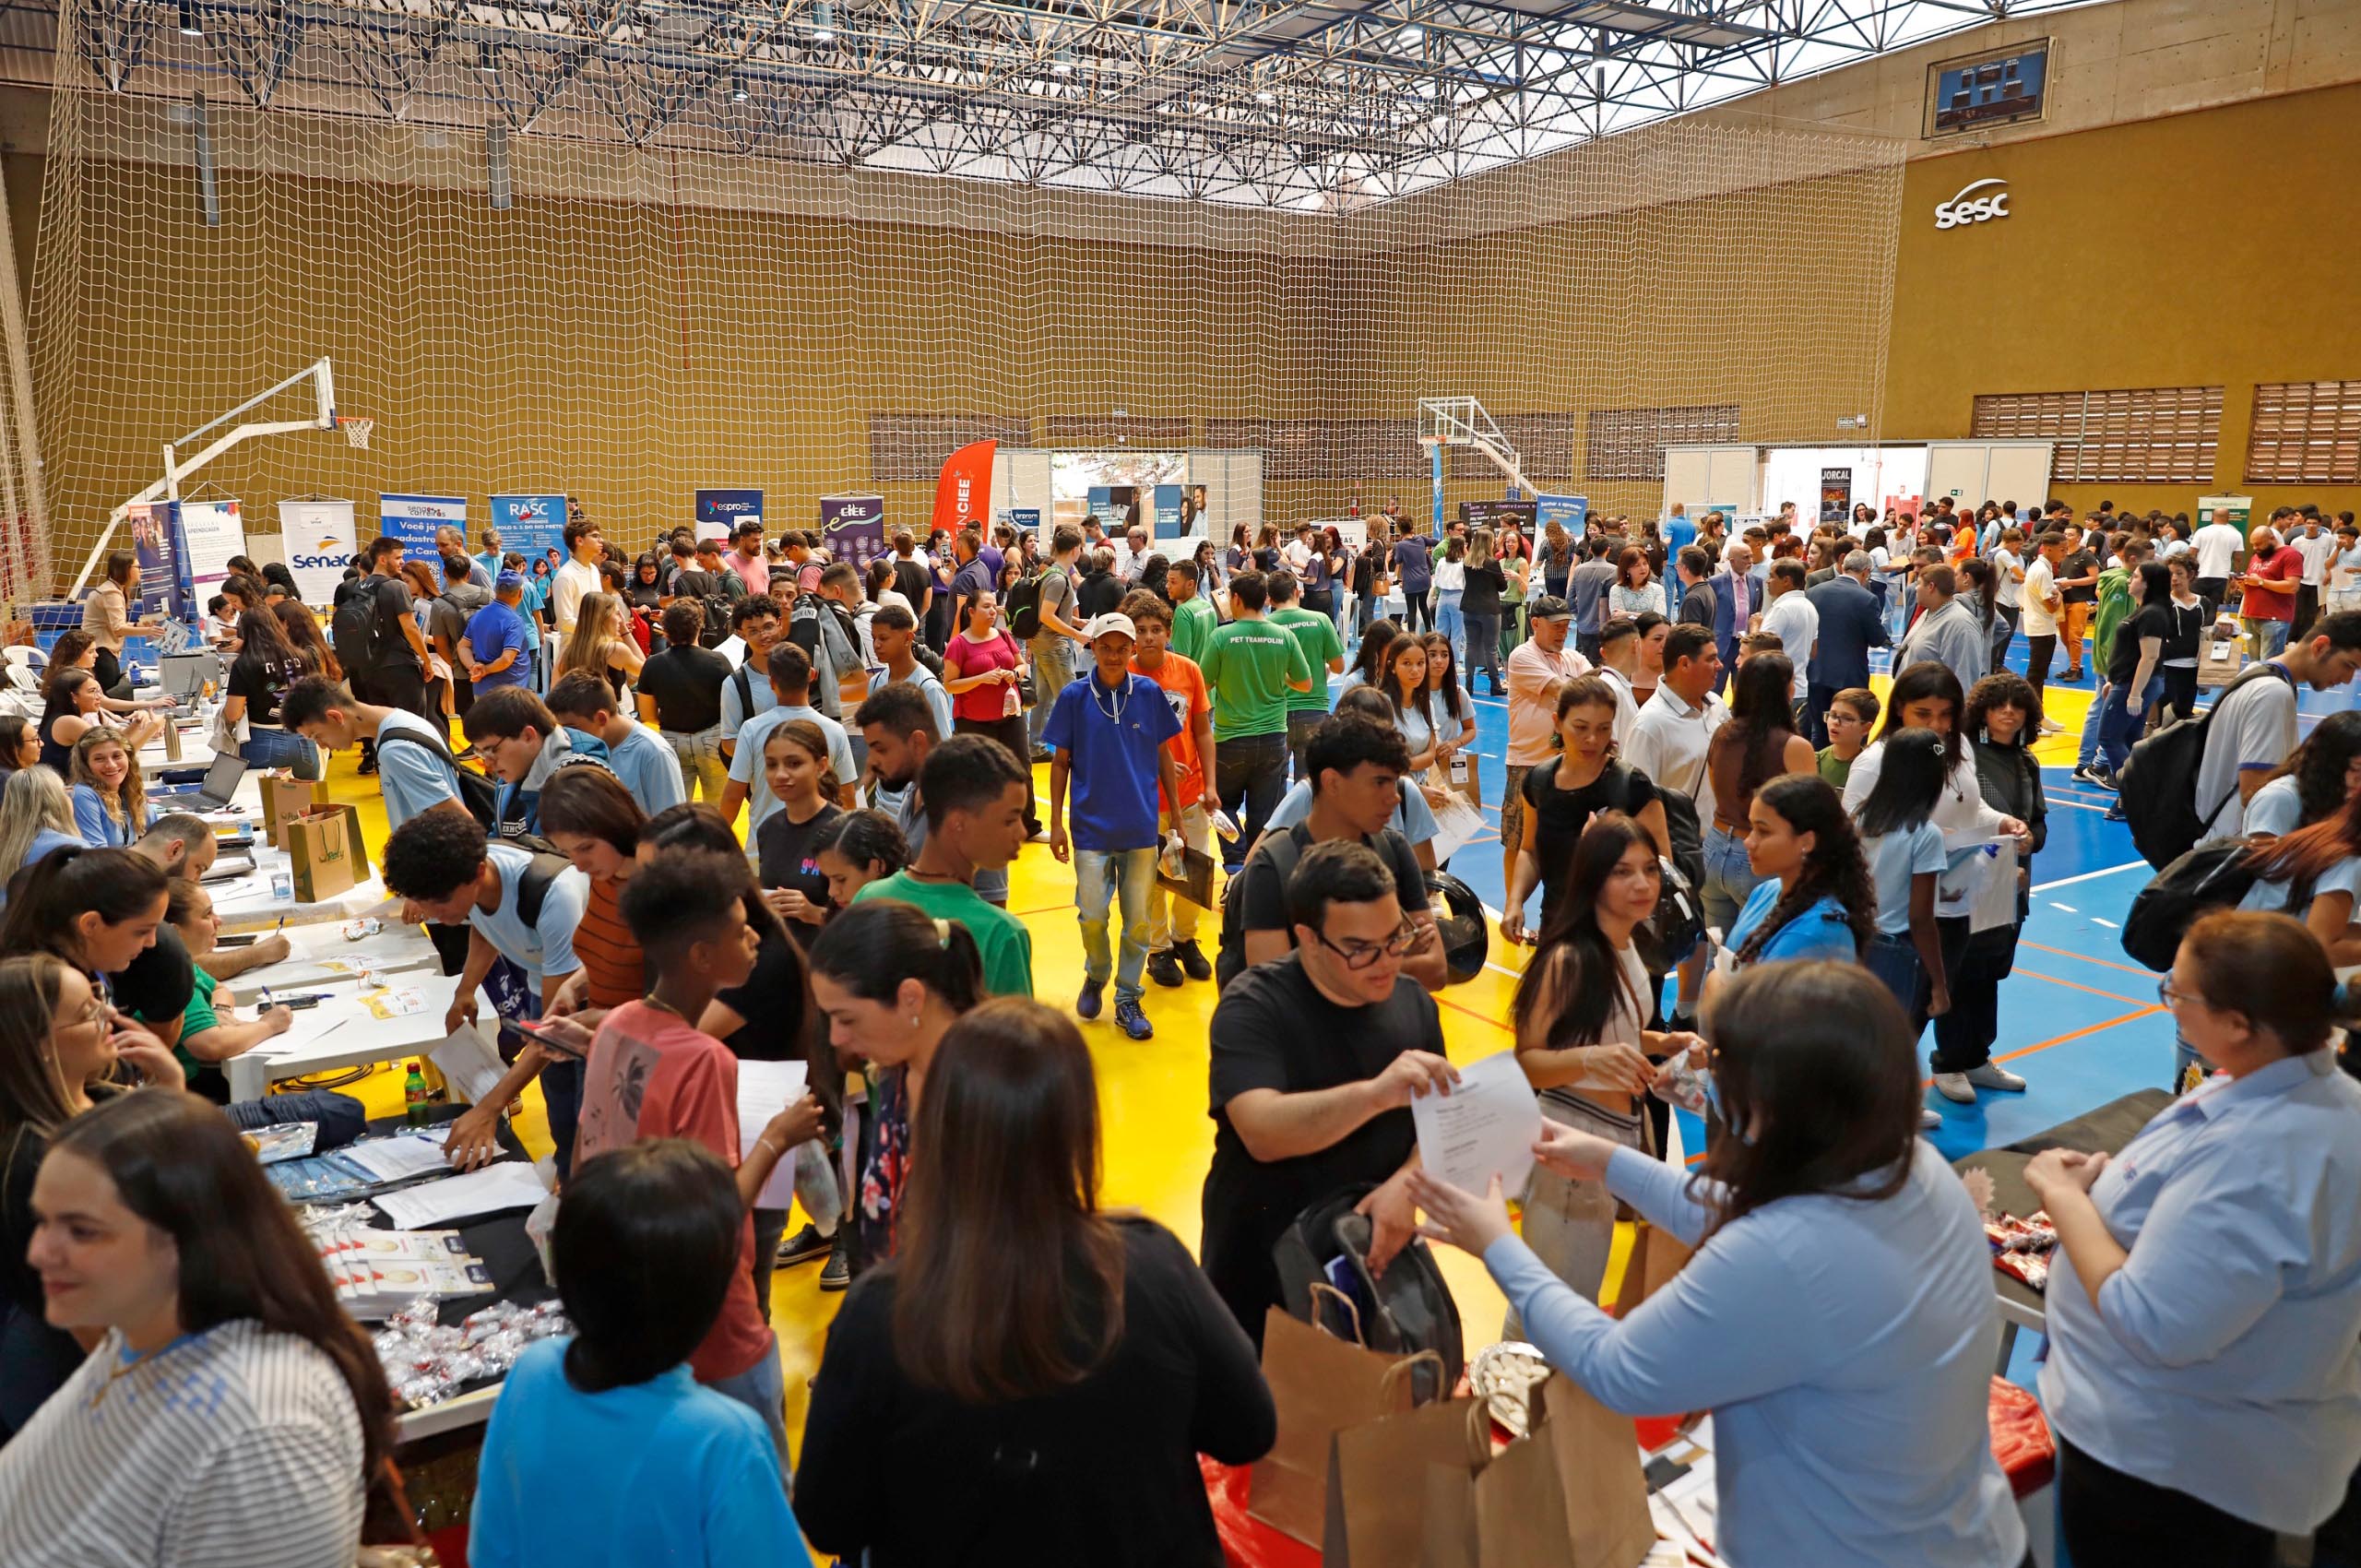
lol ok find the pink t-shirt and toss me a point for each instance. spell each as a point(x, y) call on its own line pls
point(1533, 706)
point(963, 656)
point(652, 1075)
point(756, 574)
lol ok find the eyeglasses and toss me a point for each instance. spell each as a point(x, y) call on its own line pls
point(2172, 996)
point(1362, 955)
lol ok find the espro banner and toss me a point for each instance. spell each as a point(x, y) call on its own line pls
point(413, 519)
point(213, 531)
point(319, 541)
point(530, 525)
point(853, 526)
point(719, 511)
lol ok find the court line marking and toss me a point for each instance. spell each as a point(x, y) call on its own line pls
point(2078, 957)
point(2090, 875)
point(2077, 985)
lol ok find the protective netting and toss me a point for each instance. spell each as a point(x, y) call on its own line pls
point(636, 322)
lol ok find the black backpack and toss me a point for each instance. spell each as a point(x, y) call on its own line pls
point(2159, 781)
point(1282, 851)
point(533, 887)
point(1024, 606)
point(1407, 1310)
point(2210, 876)
point(709, 597)
point(477, 792)
point(356, 631)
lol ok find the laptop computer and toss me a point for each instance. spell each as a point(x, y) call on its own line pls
point(183, 676)
point(214, 794)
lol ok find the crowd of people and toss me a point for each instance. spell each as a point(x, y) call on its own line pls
point(722, 801)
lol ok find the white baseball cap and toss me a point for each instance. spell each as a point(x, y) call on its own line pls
point(1101, 625)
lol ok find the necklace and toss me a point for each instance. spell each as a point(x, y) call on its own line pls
point(662, 1005)
point(1123, 700)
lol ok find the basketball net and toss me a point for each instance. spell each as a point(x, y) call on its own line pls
point(356, 430)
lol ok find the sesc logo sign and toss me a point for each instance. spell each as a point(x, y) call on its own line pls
point(1969, 207)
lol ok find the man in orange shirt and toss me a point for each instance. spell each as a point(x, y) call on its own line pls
point(1172, 950)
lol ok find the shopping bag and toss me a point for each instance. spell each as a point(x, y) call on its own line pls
point(323, 844)
point(283, 796)
point(1377, 1483)
point(1568, 1494)
point(1657, 1256)
point(1321, 1385)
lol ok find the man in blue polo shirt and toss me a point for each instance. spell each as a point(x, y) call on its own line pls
point(1108, 733)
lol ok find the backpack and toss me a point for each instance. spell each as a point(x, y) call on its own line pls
point(1024, 606)
point(477, 792)
point(1404, 1311)
point(1282, 851)
point(2159, 781)
point(716, 606)
point(356, 631)
point(533, 886)
point(2210, 876)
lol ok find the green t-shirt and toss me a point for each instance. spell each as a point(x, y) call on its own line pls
point(1247, 666)
point(1194, 624)
point(2115, 608)
point(1833, 768)
point(1317, 633)
point(1007, 946)
point(195, 1018)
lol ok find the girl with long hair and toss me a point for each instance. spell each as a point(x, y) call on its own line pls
point(1815, 899)
point(1557, 559)
point(983, 666)
point(1022, 1344)
point(2003, 721)
point(267, 663)
point(1823, 1176)
point(36, 818)
point(1241, 554)
point(2313, 874)
point(1212, 576)
point(1905, 854)
point(599, 644)
point(1450, 586)
point(156, 1230)
point(209, 1034)
point(1405, 683)
point(795, 761)
point(2320, 778)
point(1581, 1011)
point(19, 745)
point(302, 629)
point(1454, 715)
point(1368, 659)
point(1563, 795)
point(110, 797)
point(1757, 744)
point(1636, 592)
point(1481, 604)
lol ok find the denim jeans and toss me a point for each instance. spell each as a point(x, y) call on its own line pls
point(2118, 725)
point(2094, 719)
point(2269, 636)
point(1452, 624)
point(1301, 722)
point(1894, 960)
point(1172, 919)
point(282, 748)
point(1728, 878)
point(761, 1388)
point(701, 763)
point(1052, 672)
point(1251, 770)
point(561, 1098)
point(1125, 878)
point(1483, 653)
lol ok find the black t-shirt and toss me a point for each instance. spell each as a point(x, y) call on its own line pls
point(1559, 815)
point(155, 989)
point(262, 681)
point(686, 684)
point(1697, 606)
point(910, 581)
point(786, 859)
point(2081, 563)
point(1274, 1029)
point(394, 604)
point(2188, 628)
point(772, 1002)
point(1263, 900)
point(1100, 594)
point(1364, 571)
point(2148, 620)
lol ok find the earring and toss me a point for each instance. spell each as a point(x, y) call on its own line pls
point(914, 1020)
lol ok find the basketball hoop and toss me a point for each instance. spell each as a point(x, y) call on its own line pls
point(356, 429)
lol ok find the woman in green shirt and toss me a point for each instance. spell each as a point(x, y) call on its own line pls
point(209, 1035)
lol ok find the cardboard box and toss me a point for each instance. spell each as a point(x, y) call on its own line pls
point(328, 853)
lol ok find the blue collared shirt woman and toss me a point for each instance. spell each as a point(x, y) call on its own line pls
point(1838, 1315)
point(2205, 1302)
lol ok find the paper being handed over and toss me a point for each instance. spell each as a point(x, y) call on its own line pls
point(1485, 1126)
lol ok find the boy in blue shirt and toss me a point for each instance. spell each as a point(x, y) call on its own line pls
point(1109, 732)
point(640, 757)
point(498, 651)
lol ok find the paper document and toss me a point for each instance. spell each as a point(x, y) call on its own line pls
point(1996, 900)
point(512, 1184)
point(398, 1158)
point(766, 1088)
point(1485, 1125)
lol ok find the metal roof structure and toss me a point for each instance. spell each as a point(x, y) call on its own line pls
point(1295, 105)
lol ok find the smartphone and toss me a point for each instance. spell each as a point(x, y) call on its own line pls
point(517, 1035)
point(247, 941)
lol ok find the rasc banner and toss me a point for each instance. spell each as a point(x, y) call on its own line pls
point(530, 525)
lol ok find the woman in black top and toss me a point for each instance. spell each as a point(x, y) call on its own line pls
point(1479, 607)
point(795, 760)
point(1562, 794)
point(2135, 663)
point(1053, 1373)
point(265, 666)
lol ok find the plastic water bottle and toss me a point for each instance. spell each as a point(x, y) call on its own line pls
point(1225, 826)
point(415, 1103)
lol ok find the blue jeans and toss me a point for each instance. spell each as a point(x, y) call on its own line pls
point(1894, 960)
point(2271, 637)
point(282, 748)
point(1728, 877)
point(1251, 770)
point(702, 764)
point(1452, 624)
point(761, 1388)
point(2093, 720)
point(2119, 727)
point(1124, 877)
point(1052, 672)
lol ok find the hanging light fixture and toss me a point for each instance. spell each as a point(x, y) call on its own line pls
point(190, 25)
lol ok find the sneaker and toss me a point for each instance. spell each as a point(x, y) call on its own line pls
point(838, 1274)
point(2088, 772)
point(1132, 1022)
point(2114, 814)
point(1193, 963)
point(1163, 968)
point(1991, 1075)
point(1955, 1087)
point(1042, 753)
point(2104, 779)
point(1092, 999)
point(2051, 727)
point(804, 1245)
point(1929, 1119)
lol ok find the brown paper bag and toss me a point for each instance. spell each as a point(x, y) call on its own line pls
point(1377, 1482)
point(1599, 1473)
point(284, 796)
point(1571, 1495)
point(1657, 1256)
point(328, 858)
point(1321, 1385)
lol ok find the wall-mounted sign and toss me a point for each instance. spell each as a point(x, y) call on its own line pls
point(2000, 86)
point(1977, 202)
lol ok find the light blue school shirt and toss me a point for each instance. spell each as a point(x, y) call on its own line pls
point(1820, 932)
point(656, 1472)
point(1894, 858)
point(644, 762)
point(1846, 1349)
point(734, 716)
point(746, 763)
point(545, 948)
point(100, 830)
point(2224, 1359)
point(937, 698)
point(45, 842)
point(411, 777)
point(1412, 818)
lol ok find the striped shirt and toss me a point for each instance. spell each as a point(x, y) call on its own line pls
point(234, 1448)
point(612, 959)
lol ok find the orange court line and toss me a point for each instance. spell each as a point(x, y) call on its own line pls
point(2072, 985)
point(2102, 963)
point(1447, 1002)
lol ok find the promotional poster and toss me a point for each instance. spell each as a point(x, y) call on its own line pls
point(1567, 511)
point(413, 519)
point(529, 525)
point(318, 538)
point(719, 511)
point(152, 542)
point(213, 531)
point(1836, 494)
point(853, 528)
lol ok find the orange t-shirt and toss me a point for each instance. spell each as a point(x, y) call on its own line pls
point(613, 961)
point(1184, 687)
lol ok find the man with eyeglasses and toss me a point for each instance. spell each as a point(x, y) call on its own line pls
point(1355, 766)
point(1316, 1057)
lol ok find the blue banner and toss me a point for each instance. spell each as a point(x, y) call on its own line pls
point(718, 511)
point(413, 519)
point(1568, 511)
point(1167, 511)
point(162, 553)
point(530, 525)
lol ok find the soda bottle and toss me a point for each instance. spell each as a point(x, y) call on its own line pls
point(414, 1097)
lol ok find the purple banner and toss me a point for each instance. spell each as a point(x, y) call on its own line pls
point(853, 526)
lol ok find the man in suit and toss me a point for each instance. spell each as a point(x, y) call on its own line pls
point(1738, 598)
point(1851, 623)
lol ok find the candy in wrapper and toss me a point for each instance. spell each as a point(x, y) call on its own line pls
point(361, 930)
point(1686, 1087)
